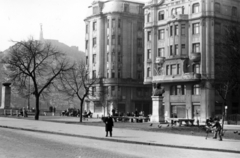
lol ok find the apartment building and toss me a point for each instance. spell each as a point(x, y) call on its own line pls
point(114, 54)
point(179, 53)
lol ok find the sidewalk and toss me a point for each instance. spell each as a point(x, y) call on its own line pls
point(124, 135)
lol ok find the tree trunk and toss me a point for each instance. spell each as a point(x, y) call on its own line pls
point(37, 108)
point(81, 110)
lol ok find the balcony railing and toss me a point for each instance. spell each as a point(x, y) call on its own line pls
point(178, 78)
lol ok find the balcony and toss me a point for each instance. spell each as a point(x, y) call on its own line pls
point(149, 60)
point(195, 57)
point(160, 60)
point(149, 24)
point(121, 80)
point(181, 17)
point(186, 77)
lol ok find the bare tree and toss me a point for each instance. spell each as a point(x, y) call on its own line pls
point(76, 83)
point(34, 62)
point(227, 63)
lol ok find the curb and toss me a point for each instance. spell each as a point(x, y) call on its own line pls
point(124, 141)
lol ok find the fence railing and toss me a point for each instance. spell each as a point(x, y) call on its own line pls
point(233, 119)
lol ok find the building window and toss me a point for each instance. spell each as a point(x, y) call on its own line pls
point(95, 10)
point(119, 91)
point(179, 10)
point(113, 40)
point(140, 27)
point(196, 28)
point(183, 28)
point(139, 92)
point(171, 50)
point(196, 47)
point(149, 17)
point(126, 7)
point(94, 42)
point(149, 72)
point(113, 73)
point(86, 44)
point(107, 23)
point(217, 28)
point(167, 70)
point(183, 49)
point(174, 69)
point(176, 49)
point(196, 89)
point(161, 15)
point(149, 36)
point(234, 11)
point(161, 34)
point(113, 93)
point(140, 10)
point(119, 57)
point(196, 8)
point(119, 23)
point(173, 90)
point(94, 58)
point(139, 75)
point(107, 57)
point(160, 52)
point(107, 40)
point(94, 25)
point(178, 69)
point(217, 7)
point(107, 73)
point(113, 23)
point(196, 68)
point(149, 54)
point(113, 56)
point(178, 90)
point(139, 59)
point(171, 30)
point(119, 39)
point(139, 42)
point(176, 29)
point(94, 74)
point(119, 73)
point(87, 28)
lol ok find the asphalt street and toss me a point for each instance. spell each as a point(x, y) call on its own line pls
point(24, 144)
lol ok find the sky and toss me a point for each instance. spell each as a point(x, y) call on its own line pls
point(62, 20)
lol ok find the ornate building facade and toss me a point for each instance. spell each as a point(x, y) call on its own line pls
point(114, 54)
point(179, 53)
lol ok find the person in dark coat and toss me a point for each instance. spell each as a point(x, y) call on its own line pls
point(218, 130)
point(108, 125)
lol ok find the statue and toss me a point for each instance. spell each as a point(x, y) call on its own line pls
point(158, 91)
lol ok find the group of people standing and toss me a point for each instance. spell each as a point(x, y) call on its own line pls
point(210, 124)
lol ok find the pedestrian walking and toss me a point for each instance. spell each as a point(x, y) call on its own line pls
point(109, 125)
point(218, 130)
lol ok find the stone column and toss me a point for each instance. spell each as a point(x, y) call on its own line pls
point(6, 96)
point(157, 109)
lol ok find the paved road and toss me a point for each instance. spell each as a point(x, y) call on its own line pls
point(24, 144)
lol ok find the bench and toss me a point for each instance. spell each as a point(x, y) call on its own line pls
point(180, 121)
point(131, 118)
point(11, 112)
